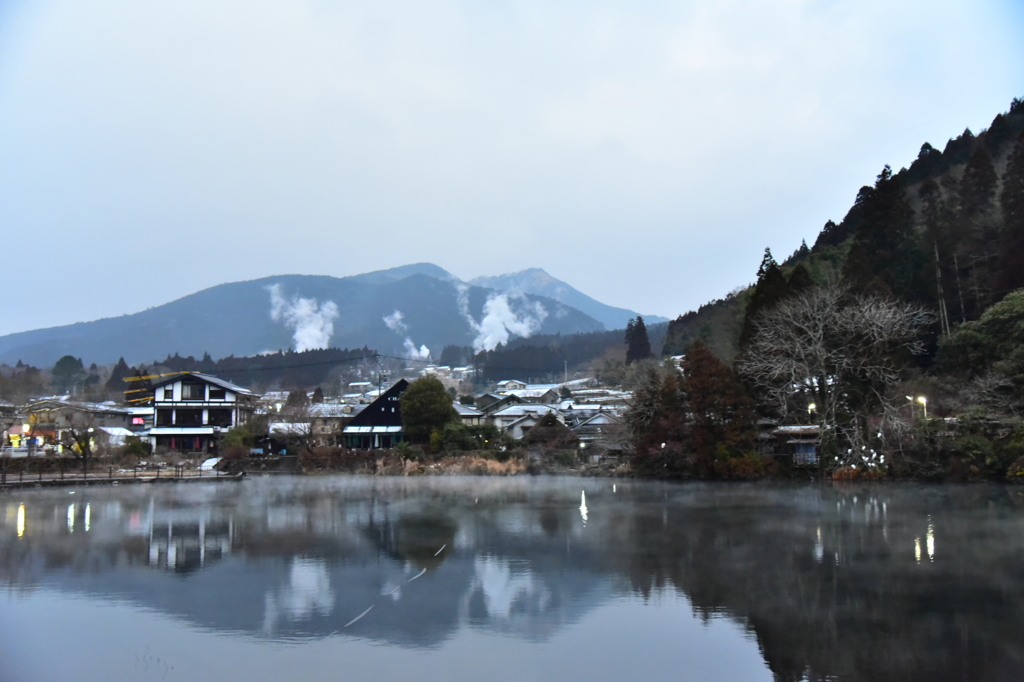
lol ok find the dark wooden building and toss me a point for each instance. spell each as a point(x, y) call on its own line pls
point(379, 424)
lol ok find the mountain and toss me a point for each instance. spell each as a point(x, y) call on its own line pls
point(539, 282)
point(309, 311)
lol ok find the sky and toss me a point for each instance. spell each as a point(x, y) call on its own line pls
point(644, 152)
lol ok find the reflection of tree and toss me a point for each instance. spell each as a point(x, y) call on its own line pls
point(825, 578)
point(868, 609)
point(416, 538)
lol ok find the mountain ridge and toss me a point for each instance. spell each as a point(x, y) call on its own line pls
point(538, 281)
point(404, 310)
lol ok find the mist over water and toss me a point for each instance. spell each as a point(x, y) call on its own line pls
point(512, 578)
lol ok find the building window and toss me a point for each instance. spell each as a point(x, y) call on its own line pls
point(189, 418)
point(219, 417)
point(193, 391)
point(163, 417)
point(218, 393)
point(138, 421)
point(169, 392)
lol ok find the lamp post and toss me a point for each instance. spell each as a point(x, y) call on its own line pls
point(924, 404)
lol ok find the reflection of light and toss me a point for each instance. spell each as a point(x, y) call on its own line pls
point(71, 518)
point(21, 521)
point(88, 515)
point(930, 542)
point(583, 506)
point(819, 548)
point(917, 549)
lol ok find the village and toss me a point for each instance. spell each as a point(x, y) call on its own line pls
point(194, 417)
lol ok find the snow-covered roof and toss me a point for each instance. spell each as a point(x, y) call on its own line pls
point(289, 429)
point(516, 411)
point(529, 392)
point(322, 410)
point(116, 431)
point(217, 381)
point(798, 430)
point(466, 410)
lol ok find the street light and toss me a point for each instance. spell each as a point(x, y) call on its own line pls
point(924, 403)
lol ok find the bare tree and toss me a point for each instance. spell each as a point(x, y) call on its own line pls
point(835, 353)
point(77, 434)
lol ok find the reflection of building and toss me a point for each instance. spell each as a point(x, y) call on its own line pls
point(379, 424)
point(185, 543)
point(192, 409)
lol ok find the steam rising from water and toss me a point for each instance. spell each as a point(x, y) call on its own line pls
point(501, 318)
point(313, 324)
point(396, 323)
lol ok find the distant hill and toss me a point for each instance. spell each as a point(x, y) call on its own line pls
point(537, 281)
point(307, 311)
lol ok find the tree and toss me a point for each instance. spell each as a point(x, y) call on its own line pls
point(116, 381)
point(771, 287)
point(836, 350)
point(978, 184)
point(800, 279)
point(426, 407)
point(684, 424)
point(296, 400)
point(638, 346)
point(886, 235)
point(318, 396)
point(77, 435)
point(719, 410)
point(68, 374)
point(987, 355)
point(1011, 259)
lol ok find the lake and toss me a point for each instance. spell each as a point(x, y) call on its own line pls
point(463, 578)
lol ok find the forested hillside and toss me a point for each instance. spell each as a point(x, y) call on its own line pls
point(896, 341)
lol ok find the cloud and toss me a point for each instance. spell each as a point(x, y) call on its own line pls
point(313, 323)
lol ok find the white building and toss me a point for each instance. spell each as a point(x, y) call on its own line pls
point(193, 409)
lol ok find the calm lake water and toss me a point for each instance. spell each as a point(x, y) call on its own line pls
point(511, 579)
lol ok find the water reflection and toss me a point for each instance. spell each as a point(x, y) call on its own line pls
point(820, 577)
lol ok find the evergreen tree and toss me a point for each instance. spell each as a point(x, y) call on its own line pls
point(120, 371)
point(977, 234)
point(937, 220)
point(978, 185)
point(1011, 259)
point(68, 374)
point(638, 346)
point(318, 396)
point(800, 279)
point(771, 288)
point(887, 235)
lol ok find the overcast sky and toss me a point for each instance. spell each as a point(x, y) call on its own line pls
point(644, 152)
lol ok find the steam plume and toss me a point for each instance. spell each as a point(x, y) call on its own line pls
point(500, 320)
point(313, 324)
point(395, 322)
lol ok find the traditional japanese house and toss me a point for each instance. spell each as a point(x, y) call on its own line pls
point(193, 409)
